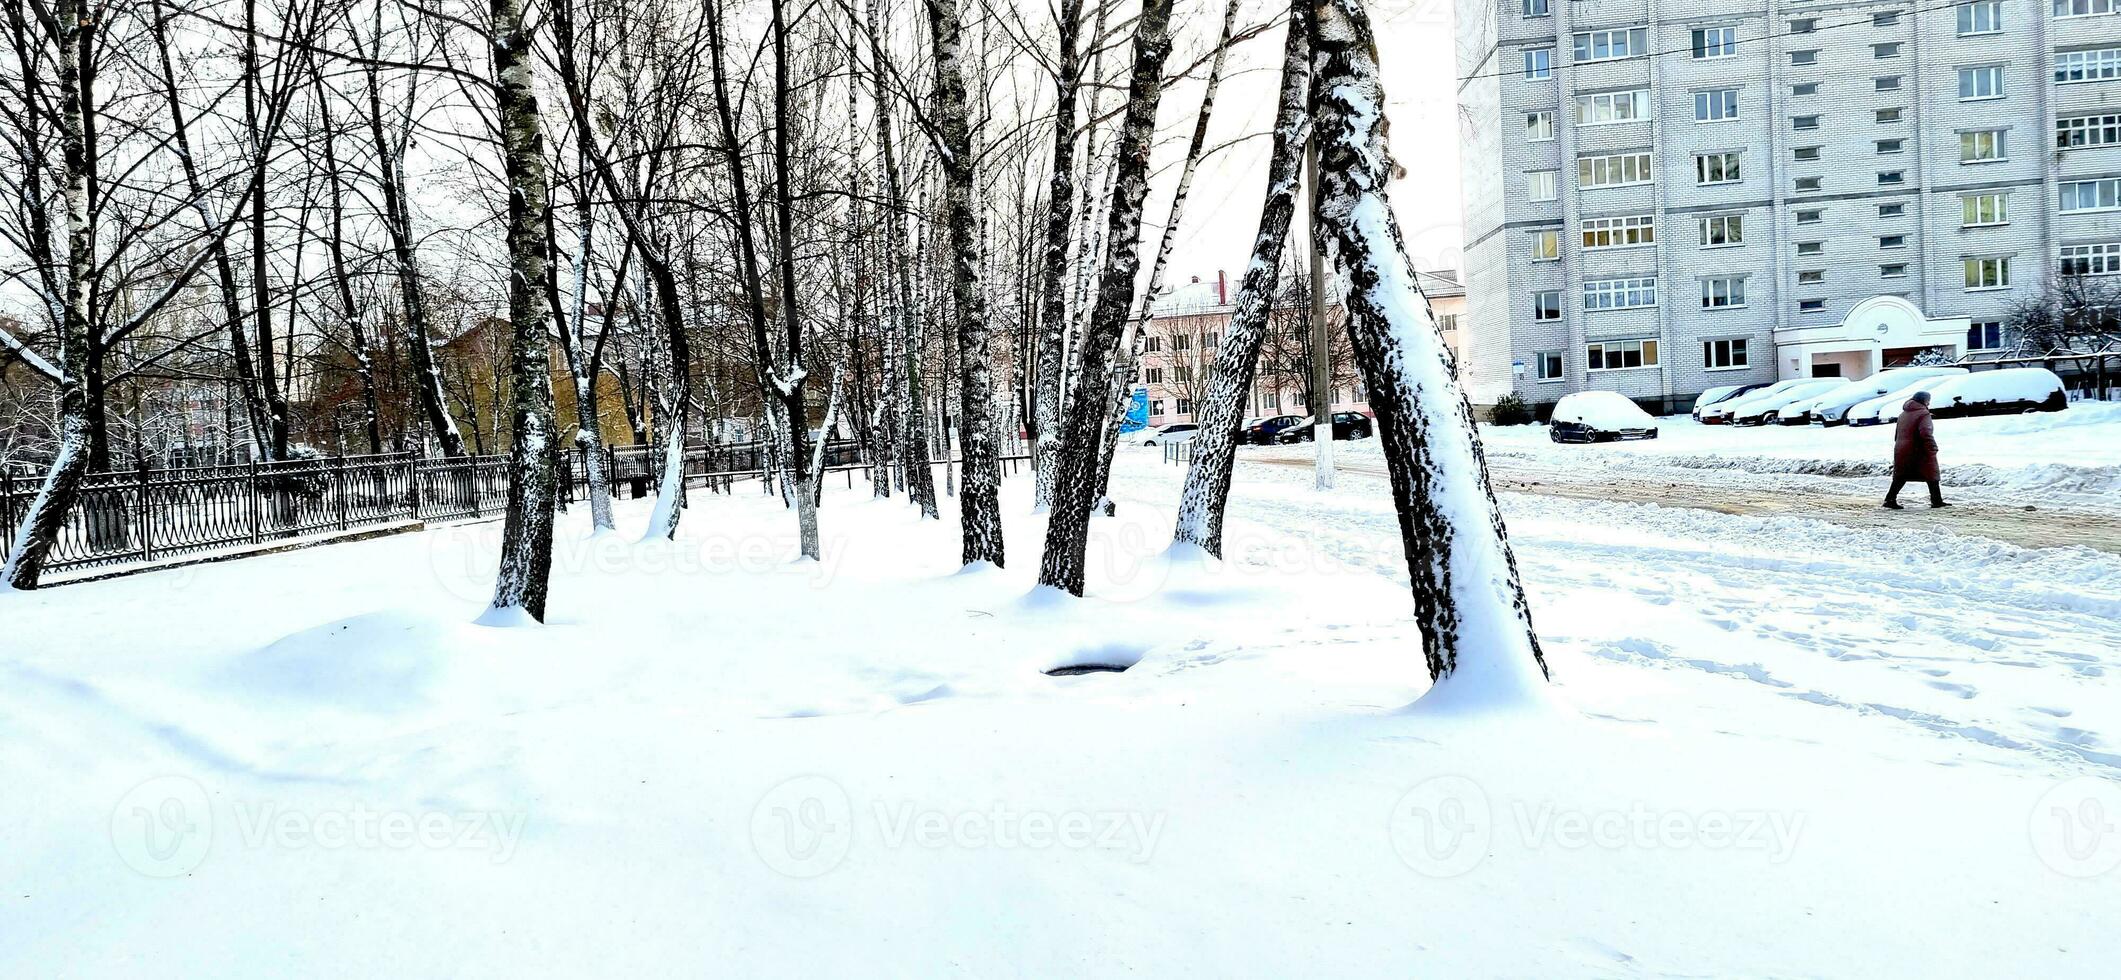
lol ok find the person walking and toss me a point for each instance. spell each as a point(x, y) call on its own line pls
point(1915, 452)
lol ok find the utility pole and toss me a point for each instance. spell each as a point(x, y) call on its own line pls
point(1321, 394)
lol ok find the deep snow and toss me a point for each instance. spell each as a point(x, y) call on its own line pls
point(1778, 747)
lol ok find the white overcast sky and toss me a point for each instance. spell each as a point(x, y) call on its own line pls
point(1416, 48)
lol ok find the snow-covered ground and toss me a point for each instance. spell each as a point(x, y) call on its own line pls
point(2070, 458)
point(1778, 747)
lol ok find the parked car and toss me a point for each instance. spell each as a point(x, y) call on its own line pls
point(1268, 433)
point(1798, 410)
point(1176, 432)
point(1599, 416)
point(1720, 412)
point(2006, 391)
point(1833, 407)
point(1754, 409)
point(1886, 408)
point(1722, 394)
point(1346, 425)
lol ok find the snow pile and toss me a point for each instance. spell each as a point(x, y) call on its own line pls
point(2006, 385)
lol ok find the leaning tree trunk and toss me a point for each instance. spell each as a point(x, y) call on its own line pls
point(526, 533)
point(1053, 290)
point(1075, 488)
point(980, 504)
point(397, 224)
point(1476, 629)
point(1207, 488)
point(62, 482)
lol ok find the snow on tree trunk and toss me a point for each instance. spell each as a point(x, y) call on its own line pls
point(920, 479)
point(981, 501)
point(62, 482)
point(1053, 290)
point(1075, 490)
point(1476, 628)
point(1207, 486)
point(526, 532)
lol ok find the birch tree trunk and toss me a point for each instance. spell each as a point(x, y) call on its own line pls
point(62, 482)
point(1075, 488)
point(788, 381)
point(1053, 291)
point(920, 476)
point(526, 532)
point(1207, 487)
point(980, 502)
point(1476, 628)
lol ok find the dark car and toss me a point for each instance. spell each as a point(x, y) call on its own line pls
point(1269, 432)
point(1346, 425)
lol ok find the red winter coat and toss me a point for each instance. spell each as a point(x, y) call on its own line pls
point(1915, 444)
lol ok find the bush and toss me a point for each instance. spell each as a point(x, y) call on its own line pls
point(1511, 409)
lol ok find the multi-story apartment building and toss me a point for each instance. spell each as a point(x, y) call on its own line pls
point(1186, 330)
point(1663, 196)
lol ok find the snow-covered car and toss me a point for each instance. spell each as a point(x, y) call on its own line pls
point(1797, 411)
point(1756, 409)
point(1721, 394)
point(1886, 408)
point(1833, 407)
point(2007, 391)
point(1172, 434)
point(1720, 412)
point(1599, 416)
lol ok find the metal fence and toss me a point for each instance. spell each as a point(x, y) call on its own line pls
point(146, 515)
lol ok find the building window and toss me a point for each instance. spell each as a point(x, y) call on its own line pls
point(1538, 8)
point(1613, 170)
point(1156, 406)
point(1982, 209)
point(1626, 231)
point(1804, 122)
point(1620, 355)
point(2103, 259)
point(1992, 272)
point(1538, 64)
point(1723, 293)
point(1811, 305)
point(1716, 168)
point(1184, 406)
point(1890, 147)
point(1892, 178)
point(1804, 154)
point(1631, 293)
point(1893, 270)
point(1607, 108)
point(1715, 42)
point(2074, 131)
point(1546, 246)
point(1982, 17)
point(1724, 355)
point(1984, 335)
point(1809, 56)
point(1627, 42)
point(1154, 376)
point(1892, 241)
point(2092, 195)
point(1808, 185)
point(1811, 248)
point(1893, 210)
point(1538, 127)
point(1716, 105)
point(1810, 216)
point(1547, 365)
point(1811, 277)
point(1152, 344)
point(1890, 49)
point(2095, 65)
point(1182, 342)
point(1886, 83)
point(1804, 25)
point(1887, 116)
point(1885, 19)
point(1804, 88)
point(2083, 8)
point(1718, 230)
point(1546, 304)
point(1539, 185)
point(1980, 82)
